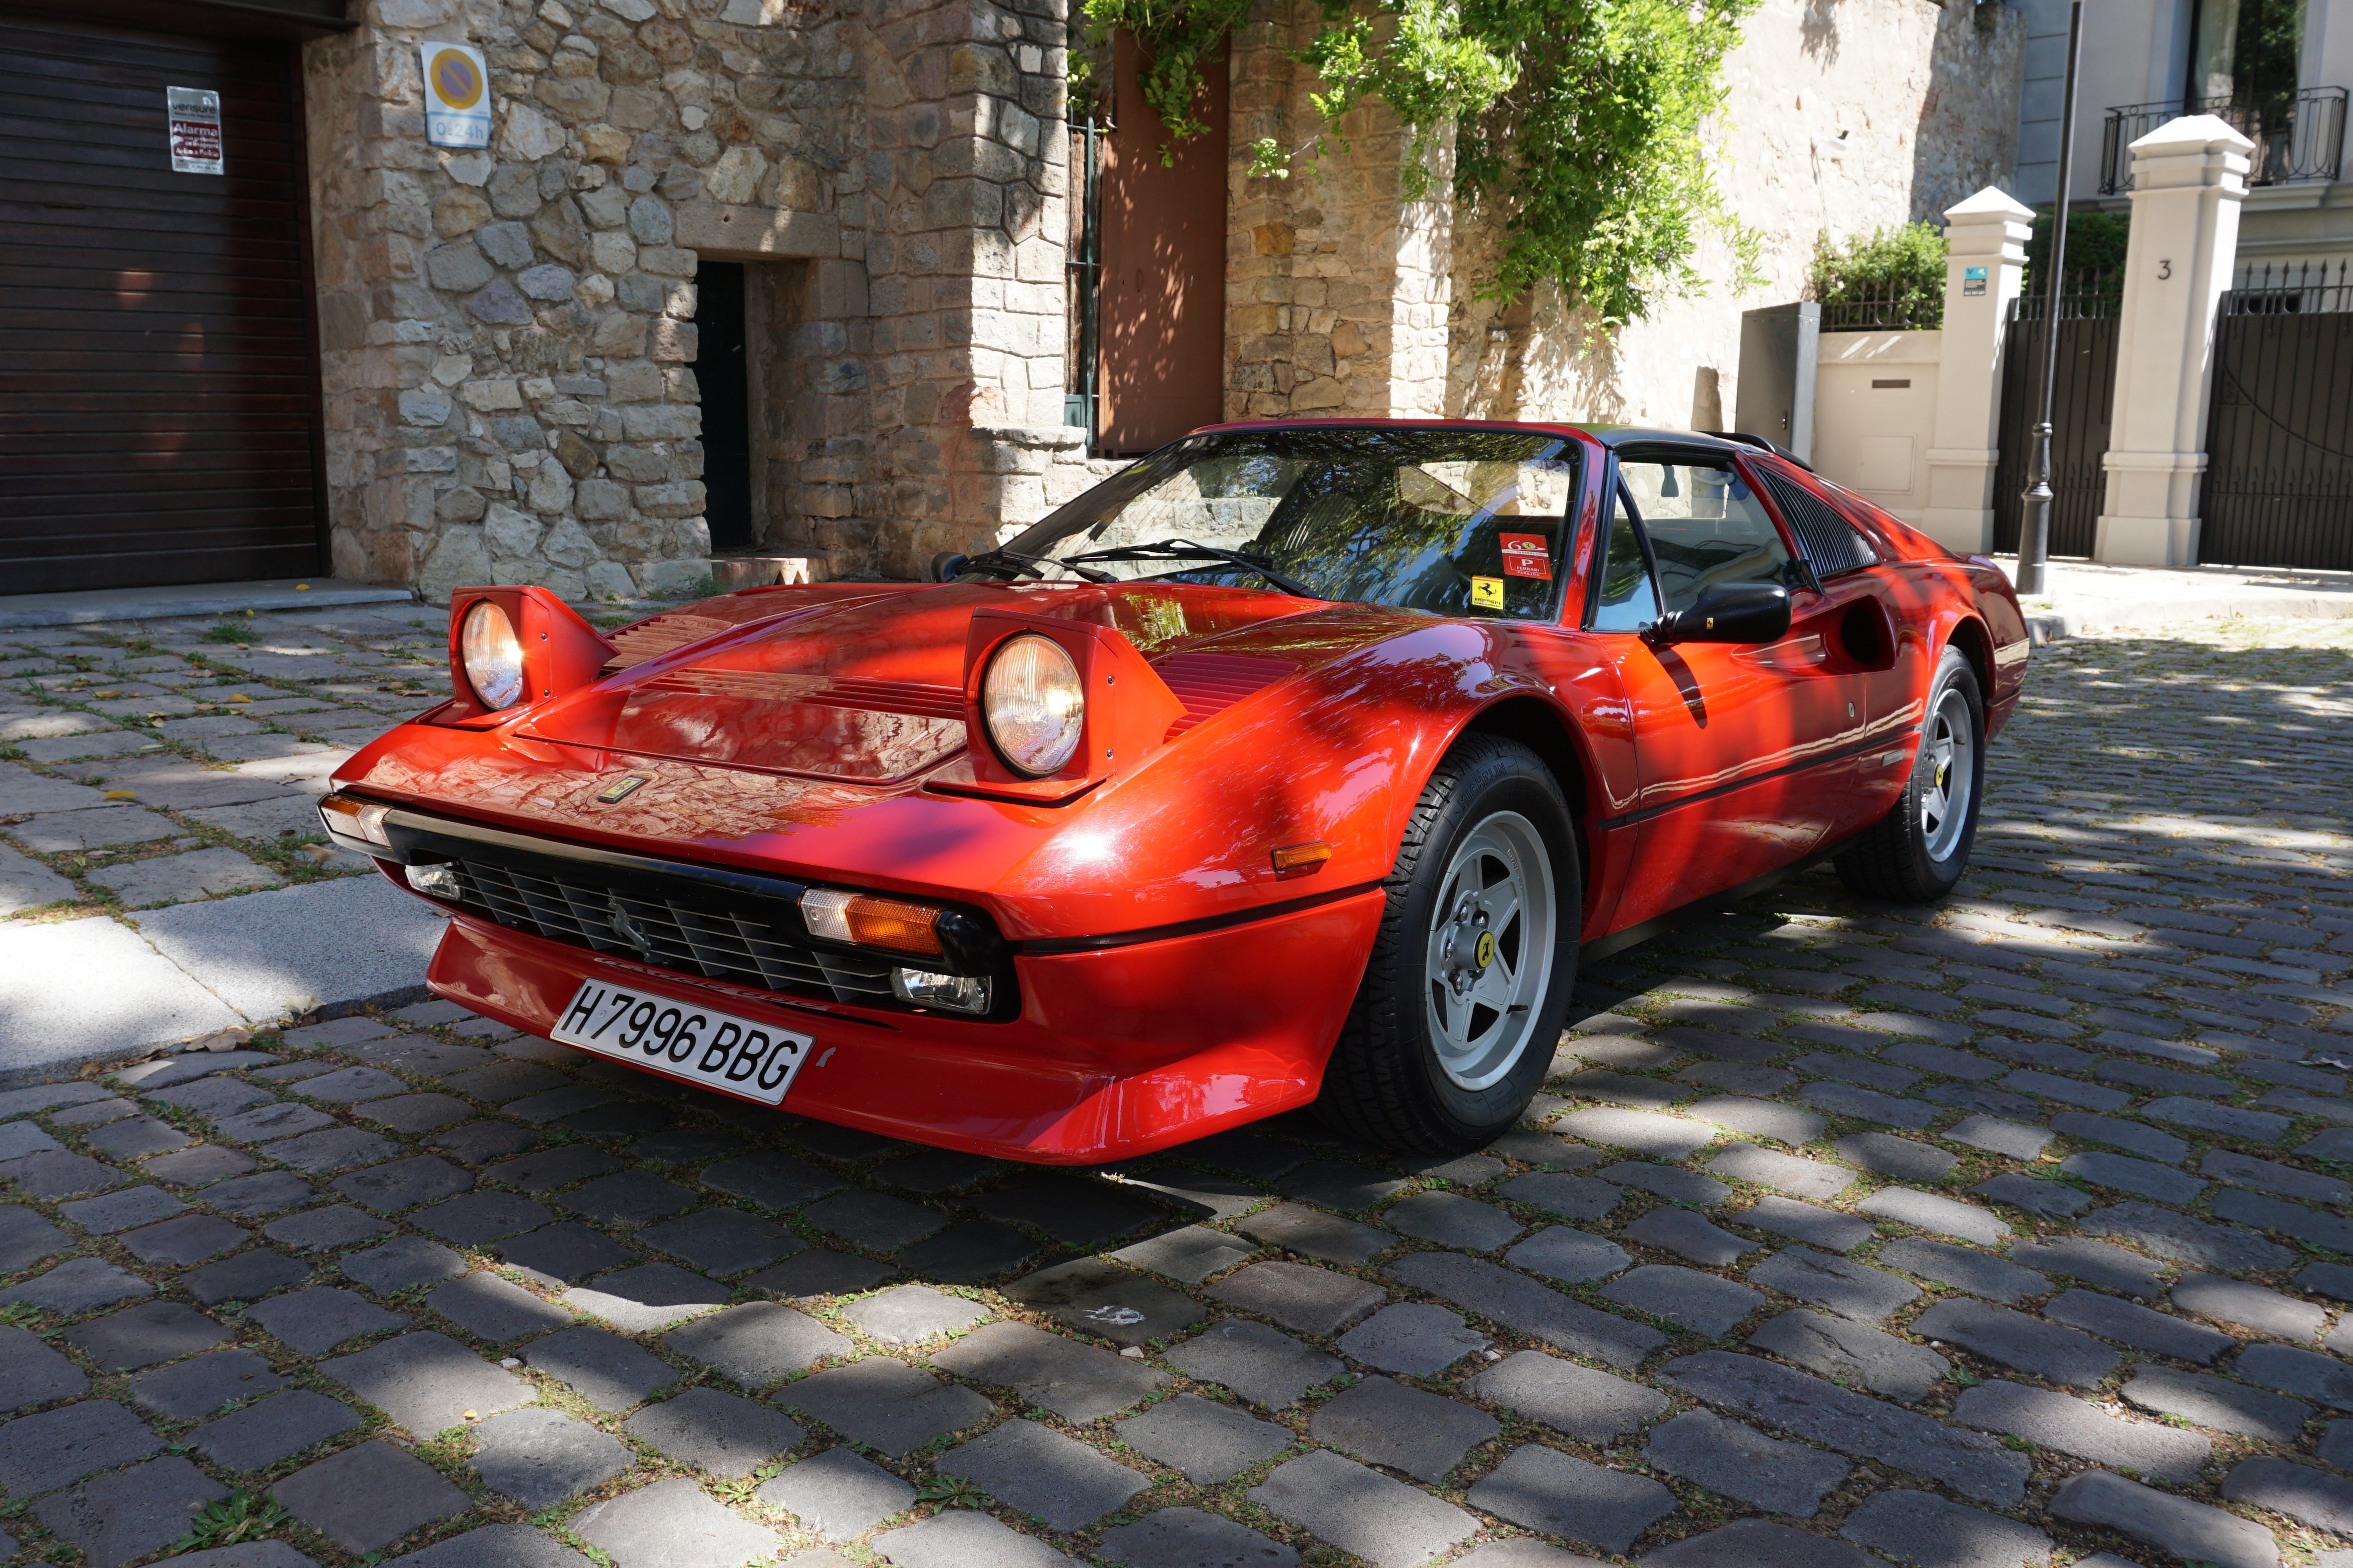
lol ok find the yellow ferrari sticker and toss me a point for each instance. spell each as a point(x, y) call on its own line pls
point(1486, 593)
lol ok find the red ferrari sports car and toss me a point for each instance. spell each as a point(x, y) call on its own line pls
point(1294, 765)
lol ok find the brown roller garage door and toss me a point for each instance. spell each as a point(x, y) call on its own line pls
point(159, 407)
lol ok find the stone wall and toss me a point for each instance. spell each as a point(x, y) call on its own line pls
point(508, 334)
point(1842, 118)
point(965, 279)
point(1335, 284)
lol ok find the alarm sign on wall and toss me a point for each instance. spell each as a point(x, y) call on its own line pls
point(457, 96)
point(194, 120)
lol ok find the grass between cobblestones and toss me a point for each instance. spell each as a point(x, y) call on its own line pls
point(2161, 883)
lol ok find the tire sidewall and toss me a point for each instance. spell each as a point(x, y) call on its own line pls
point(1952, 670)
point(1508, 781)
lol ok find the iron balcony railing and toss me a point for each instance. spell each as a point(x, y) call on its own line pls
point(2299, 137)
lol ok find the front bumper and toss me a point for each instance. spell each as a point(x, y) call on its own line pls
point(1115, 1053)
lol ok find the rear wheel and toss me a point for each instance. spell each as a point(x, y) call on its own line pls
point(1453, 1026)
point(1916, 853)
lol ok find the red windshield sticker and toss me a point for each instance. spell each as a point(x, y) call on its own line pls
point(1526, 555)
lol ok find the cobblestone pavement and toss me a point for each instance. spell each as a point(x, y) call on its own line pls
point(2005, 1232)
point(154, 763)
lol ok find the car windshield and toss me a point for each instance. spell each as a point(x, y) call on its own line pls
point(1453, 522)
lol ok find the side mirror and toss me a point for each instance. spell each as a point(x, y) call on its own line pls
point(1730, 612)
point(947, 566)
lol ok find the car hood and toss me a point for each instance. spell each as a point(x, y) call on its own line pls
point(866, 685)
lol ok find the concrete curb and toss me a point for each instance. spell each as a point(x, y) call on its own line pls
point(302, 950)
point(2051, 626)
point(95, 990)
point(67, 1066)
point(18, 611)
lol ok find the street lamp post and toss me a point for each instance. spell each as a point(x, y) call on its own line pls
point(2034, 530)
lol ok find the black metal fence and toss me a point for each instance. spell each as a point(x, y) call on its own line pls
point(2279, 478)
point(2081, 404)
point(2298, 136)
point(1888, 307)
point(2088, 296)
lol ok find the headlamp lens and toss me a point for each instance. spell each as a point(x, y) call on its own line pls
point(1033, 703)
point(492, 656)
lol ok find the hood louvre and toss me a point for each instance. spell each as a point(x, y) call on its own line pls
point(1209, 683)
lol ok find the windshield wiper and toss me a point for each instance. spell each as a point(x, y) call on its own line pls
point(1014, 563)
point(1185, 550)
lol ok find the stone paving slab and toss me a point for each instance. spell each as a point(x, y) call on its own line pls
point(839, 1494)
point(1851, 1124)
point(91, 990)
point(338, 943)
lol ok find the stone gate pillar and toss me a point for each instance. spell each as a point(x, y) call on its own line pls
point(1985, 238)
point(2190, 177)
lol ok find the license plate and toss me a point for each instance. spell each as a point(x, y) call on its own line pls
point(682, 1040)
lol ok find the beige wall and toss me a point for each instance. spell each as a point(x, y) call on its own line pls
point(1871, 435)
point(1842, 117)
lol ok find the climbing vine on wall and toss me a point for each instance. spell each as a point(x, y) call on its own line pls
point(1576, 122)
point(1174, 35)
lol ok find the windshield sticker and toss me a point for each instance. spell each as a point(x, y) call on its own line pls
point(1486, 593)
point(1526, 556)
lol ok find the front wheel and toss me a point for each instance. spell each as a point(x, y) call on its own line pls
point(1454, 1025)
point(1916, 853)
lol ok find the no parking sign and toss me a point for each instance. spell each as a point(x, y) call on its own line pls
point(457, 96)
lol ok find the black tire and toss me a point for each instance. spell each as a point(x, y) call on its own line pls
point(1900, 858)
point(1386, 1083)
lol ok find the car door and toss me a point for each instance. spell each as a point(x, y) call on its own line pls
point(1737, 746)
point(1853, 626)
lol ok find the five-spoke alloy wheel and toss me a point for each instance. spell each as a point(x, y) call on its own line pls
point(1918, 850)
point(1491, 949)
point(1453, 1025)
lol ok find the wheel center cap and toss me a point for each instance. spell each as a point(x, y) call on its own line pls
point(1483, 952)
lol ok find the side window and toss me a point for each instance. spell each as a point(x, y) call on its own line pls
point(1832, 543)
point(1623, 599)
point(1706, 527)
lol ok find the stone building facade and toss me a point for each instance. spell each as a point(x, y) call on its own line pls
point(508, 335)
point(511, 341)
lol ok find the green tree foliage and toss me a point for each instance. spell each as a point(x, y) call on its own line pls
point(1175, 36)
point(1901, 270)
point(1576, 122)
point(2096, 251)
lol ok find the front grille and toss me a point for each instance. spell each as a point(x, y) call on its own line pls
point(571, 903)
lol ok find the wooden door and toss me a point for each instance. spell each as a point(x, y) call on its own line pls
point(158, 403)
point(1162, 310)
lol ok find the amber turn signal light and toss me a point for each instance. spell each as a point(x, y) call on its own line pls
point(871, 922)
point(1297, 859)
point(350, 817)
